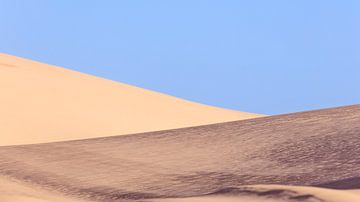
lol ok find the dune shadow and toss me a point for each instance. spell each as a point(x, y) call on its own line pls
point(348, 183)
point(281, 194)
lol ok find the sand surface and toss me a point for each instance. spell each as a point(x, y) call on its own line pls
point(206, 163)
point(276, 193)
point(44, 103)
point(15, 191)
point(301, 157)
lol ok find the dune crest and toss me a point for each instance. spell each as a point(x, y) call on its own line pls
point(43, 103)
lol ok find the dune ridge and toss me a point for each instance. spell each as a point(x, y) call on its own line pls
point(44, 103)
point(205, 163)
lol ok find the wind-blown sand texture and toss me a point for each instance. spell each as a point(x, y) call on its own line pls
point(44, 103)
point(219, 162)
point(16, 191)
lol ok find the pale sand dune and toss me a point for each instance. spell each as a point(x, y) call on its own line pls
point(44, 103)
point(316, 148)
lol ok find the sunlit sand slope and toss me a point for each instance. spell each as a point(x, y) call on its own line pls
point(316, 148)
point(44, 103)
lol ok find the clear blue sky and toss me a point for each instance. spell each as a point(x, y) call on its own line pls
point(260, 56)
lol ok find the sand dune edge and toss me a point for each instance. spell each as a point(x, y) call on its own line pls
point(51, 103)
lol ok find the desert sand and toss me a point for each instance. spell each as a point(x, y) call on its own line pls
point(276, 193)
point(308, 154)
point(44, 103)
point(16, 191)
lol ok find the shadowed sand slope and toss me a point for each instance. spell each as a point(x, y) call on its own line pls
point(315, 148)
point(44, 103)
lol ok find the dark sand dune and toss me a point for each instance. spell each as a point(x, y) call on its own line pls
point(315, 148)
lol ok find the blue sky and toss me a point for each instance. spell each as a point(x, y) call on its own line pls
point(265, 56)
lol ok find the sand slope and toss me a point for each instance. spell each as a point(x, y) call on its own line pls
point(274, 193)
point(315, 148)
point(16, 191)
point(43, 103)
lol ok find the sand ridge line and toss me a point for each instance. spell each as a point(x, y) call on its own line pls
point(57, 104)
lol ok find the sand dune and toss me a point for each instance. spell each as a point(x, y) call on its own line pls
point(206, 163)
point(16, 191)
point(44, 103)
